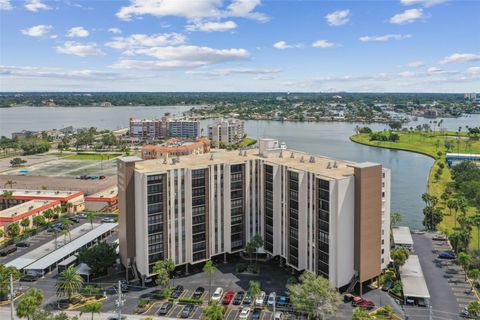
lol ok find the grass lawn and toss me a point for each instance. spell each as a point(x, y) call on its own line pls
point(89, 156)
point(247, 142)
point(427, 144)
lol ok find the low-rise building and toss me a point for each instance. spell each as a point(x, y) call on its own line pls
point(229, 131)
point(73, 200)
point(175, 148)
point(103, 201)
point(28, 209)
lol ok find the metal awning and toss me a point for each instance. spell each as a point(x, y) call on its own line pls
point(413, 281)
point(402, 236)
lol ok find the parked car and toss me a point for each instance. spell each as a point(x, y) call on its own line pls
point(282, 301)
point(271, 299)
point(278, 316)
point(29, 278)
point(257, 312)
point(446, 255)
point(6, 251)
point(247, 300)
point(362, 303)
point(228, 297)
point(244, 313)
point(108, 220)
point(387, 286)
point(23, 244)
point(102, 177)
point(74, 219)
point(217, 295)
point(451, 271)
point(439, 237)
point(259, 299)
point(177, 292)
point(81, 216)
point(238, 298)
point(197, 294)
point(187, 311)
point(348, 297)
point(165, 308)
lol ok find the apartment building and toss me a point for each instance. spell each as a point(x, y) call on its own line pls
point(175, 148)
point(228, 131)
point(73, 200)
point(327, 216)
point(146, 129)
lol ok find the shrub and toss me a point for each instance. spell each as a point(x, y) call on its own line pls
point(142, 303)
point(190, 301)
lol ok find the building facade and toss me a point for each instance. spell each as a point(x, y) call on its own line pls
point(327, 216)
point(144, 129)
point(175, 148)
point(229, 131)
point(73, 201)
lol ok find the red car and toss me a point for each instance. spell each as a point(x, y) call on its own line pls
point(362, 303)
point(228, 297)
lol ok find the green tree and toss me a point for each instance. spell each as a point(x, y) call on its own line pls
point(69, 283)
point(254, 288)
point(100, 257)
point(361, 314)
point(209, 269)
point(5, 273)
point(432, 217)
point(476, 222)
point(464, 259)
point(91, 216)
point(25, 223)
point(258, 243)
point(474, 308)
point(13, 230)
point(92, 307)
point(163, 268)
point(40, 314)
point(10, 183)
point(399, 256)
point(39, 220)
point(314, 295)
point(452, 205)
point(474, 274)
point(32, 299)
point(67, 224)
point(249, 250)
point(395, 218)
point(213, 311)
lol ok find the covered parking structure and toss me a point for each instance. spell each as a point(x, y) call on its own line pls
point(402, 237)
point(47, 263)
point(413, 281)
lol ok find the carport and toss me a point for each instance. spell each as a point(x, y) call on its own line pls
point(402, 237)
point(413, 281)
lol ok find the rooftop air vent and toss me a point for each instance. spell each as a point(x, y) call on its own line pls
point(281, 154)
point(245, 153)
point(292, 155)
point(335, 164)
point(312, 159)
point(301, 159)
point(329, 165)
point(165, 161)
point(211, 156)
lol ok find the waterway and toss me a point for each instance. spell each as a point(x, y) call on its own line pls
point(409, 170)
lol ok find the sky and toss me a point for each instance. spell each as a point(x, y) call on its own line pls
point(240, 45)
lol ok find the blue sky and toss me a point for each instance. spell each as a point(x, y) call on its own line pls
point(240, 45)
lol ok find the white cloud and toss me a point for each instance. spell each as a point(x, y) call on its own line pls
point(473, 70)
point(143, 40)
point(181, 57)
point(425, 3)
point(284, 45)
point(5, 5)
point(385, 37)
point(79, 49)
point(322, 44)
point(115, 30)
point(415, 64)
point(460, 57)
point(211, 26)
point(77, 32)
point(36, 5)
point(228, 71)
point(434, 70)
point(263, 78)
point(338, 18)
point(408, 16)
point(37, 31)
point(55, 73)
point(197, 9)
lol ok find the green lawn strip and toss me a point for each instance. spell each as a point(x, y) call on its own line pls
point(427, 144)
point(247, 142)
point(88, 156)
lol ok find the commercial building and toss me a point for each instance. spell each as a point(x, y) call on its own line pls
point(27, 209)
point(228, 131)
point(328, 216)
point(162, 128)
point(175, 148)
point(13, 197)
point(103, 201)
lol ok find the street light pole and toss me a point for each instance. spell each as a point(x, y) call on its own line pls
point(11, 298)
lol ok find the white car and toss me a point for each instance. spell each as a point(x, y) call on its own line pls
point(245, 313)
point(271, 299)
point(259, 299)
point(217, 295)
point(278, 316)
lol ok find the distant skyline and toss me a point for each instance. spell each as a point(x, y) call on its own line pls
point(240, 45)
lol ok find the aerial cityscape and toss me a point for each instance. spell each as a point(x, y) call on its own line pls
point(239, 159)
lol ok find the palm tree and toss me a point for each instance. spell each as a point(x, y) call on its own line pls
point(462, 205)
point(258, 243)
point(213, 312)
point(254, 288)
point(474, 275)
point(25, 223)
point(32, 299)
point(209, 269)
point(10, 183)
point(66, 225)
point(91, 216)
point(476, 222)
point(69, 283)
point(464, 260)
point(92, 307)
point(452, 204)
point(64, 234)
point(395, 218)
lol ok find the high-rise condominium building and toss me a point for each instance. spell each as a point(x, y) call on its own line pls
point(227, 131)
point(162, 128)
point(328, 216)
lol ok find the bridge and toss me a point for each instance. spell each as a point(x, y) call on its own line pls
point(453, 158)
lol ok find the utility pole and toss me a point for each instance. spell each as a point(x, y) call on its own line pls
point(430, 312)
point(274, 302)
point(11, 297)
point(120, 300)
